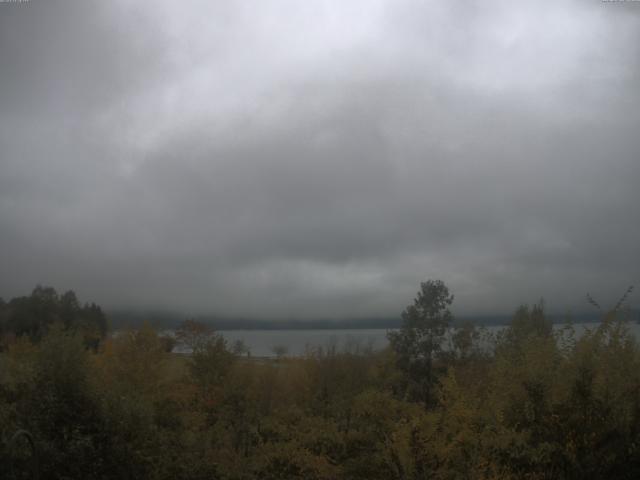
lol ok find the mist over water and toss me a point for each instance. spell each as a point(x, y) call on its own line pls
point(262, 343)
point(211, 212)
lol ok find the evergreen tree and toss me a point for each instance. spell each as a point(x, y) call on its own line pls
point(419, 340)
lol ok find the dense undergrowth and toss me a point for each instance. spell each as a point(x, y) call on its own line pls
point(532, 402)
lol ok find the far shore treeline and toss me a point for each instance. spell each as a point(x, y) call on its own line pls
point(170, 320)
point(21, 314)
point(528, 401)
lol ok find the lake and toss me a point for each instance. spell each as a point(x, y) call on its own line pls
point(261, 343)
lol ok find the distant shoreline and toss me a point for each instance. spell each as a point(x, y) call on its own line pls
point(163, 320)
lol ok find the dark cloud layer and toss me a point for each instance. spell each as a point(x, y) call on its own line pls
point(316, 159)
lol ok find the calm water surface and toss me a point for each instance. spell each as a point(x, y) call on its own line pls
point(262, 343)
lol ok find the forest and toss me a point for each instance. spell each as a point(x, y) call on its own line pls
point(532, 402)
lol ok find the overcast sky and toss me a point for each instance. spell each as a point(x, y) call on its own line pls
point(306, 159)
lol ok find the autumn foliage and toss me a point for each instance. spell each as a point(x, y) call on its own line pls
point(532, 402)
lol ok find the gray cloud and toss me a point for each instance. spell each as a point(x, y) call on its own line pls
point(306, 160)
